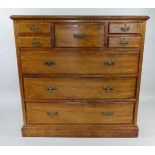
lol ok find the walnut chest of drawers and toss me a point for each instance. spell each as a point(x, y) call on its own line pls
point(80, 75)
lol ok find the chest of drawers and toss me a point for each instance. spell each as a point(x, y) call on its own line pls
point(80, 75)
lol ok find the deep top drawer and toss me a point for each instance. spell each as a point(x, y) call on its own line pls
point(79, 35)
point(125, 27)
point(34, 28)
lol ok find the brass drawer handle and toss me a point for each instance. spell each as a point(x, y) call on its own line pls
point(34, 29)
point(109, 63)
point(79, 36)
point(49, 63)
point(125, 28)
point(35, 42)
point(124, 42)
point(108, 89)
point(78, 25)
point(51, 89)
point(107, 113)
point(52, 113)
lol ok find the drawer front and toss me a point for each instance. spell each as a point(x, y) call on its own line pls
point(78, 62)
point(57, 113)
point(35, 42)
point(79, 35)
point(125, 27)
point(124, 42)
point(34, 28)
point(79, 88)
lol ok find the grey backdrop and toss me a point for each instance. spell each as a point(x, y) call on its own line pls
point(10, 104)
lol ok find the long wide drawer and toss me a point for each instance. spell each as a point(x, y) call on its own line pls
point(79, 62)
point(72, 113)
point(79, 88)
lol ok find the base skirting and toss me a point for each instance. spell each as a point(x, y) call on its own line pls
point(80, 131)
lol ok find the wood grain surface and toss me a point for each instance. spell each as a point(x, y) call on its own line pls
point(79, 35)
point(125, 28)
point(28, 41)
point(79, 62)
point(131, 41)
point(34, 27)
point(54, 113)
point(79, 88)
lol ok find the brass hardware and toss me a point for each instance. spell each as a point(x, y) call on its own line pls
point(79, 36)
point(124, 42)
point(75, 27)
point(109, 63)
point(51, 89)
point(108, 89)
point(107, 113)
point(49, 63)
point(34, 29)
point(125, 28)
point(35, 42)
point(52, 113)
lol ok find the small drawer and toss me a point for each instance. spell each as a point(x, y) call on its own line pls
point(79, 62)
point(79, 35)
point(124, 41)
point(34, 28)
point(79, 88)
point(125, 27)
point(35, 42)
point(72, 113)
